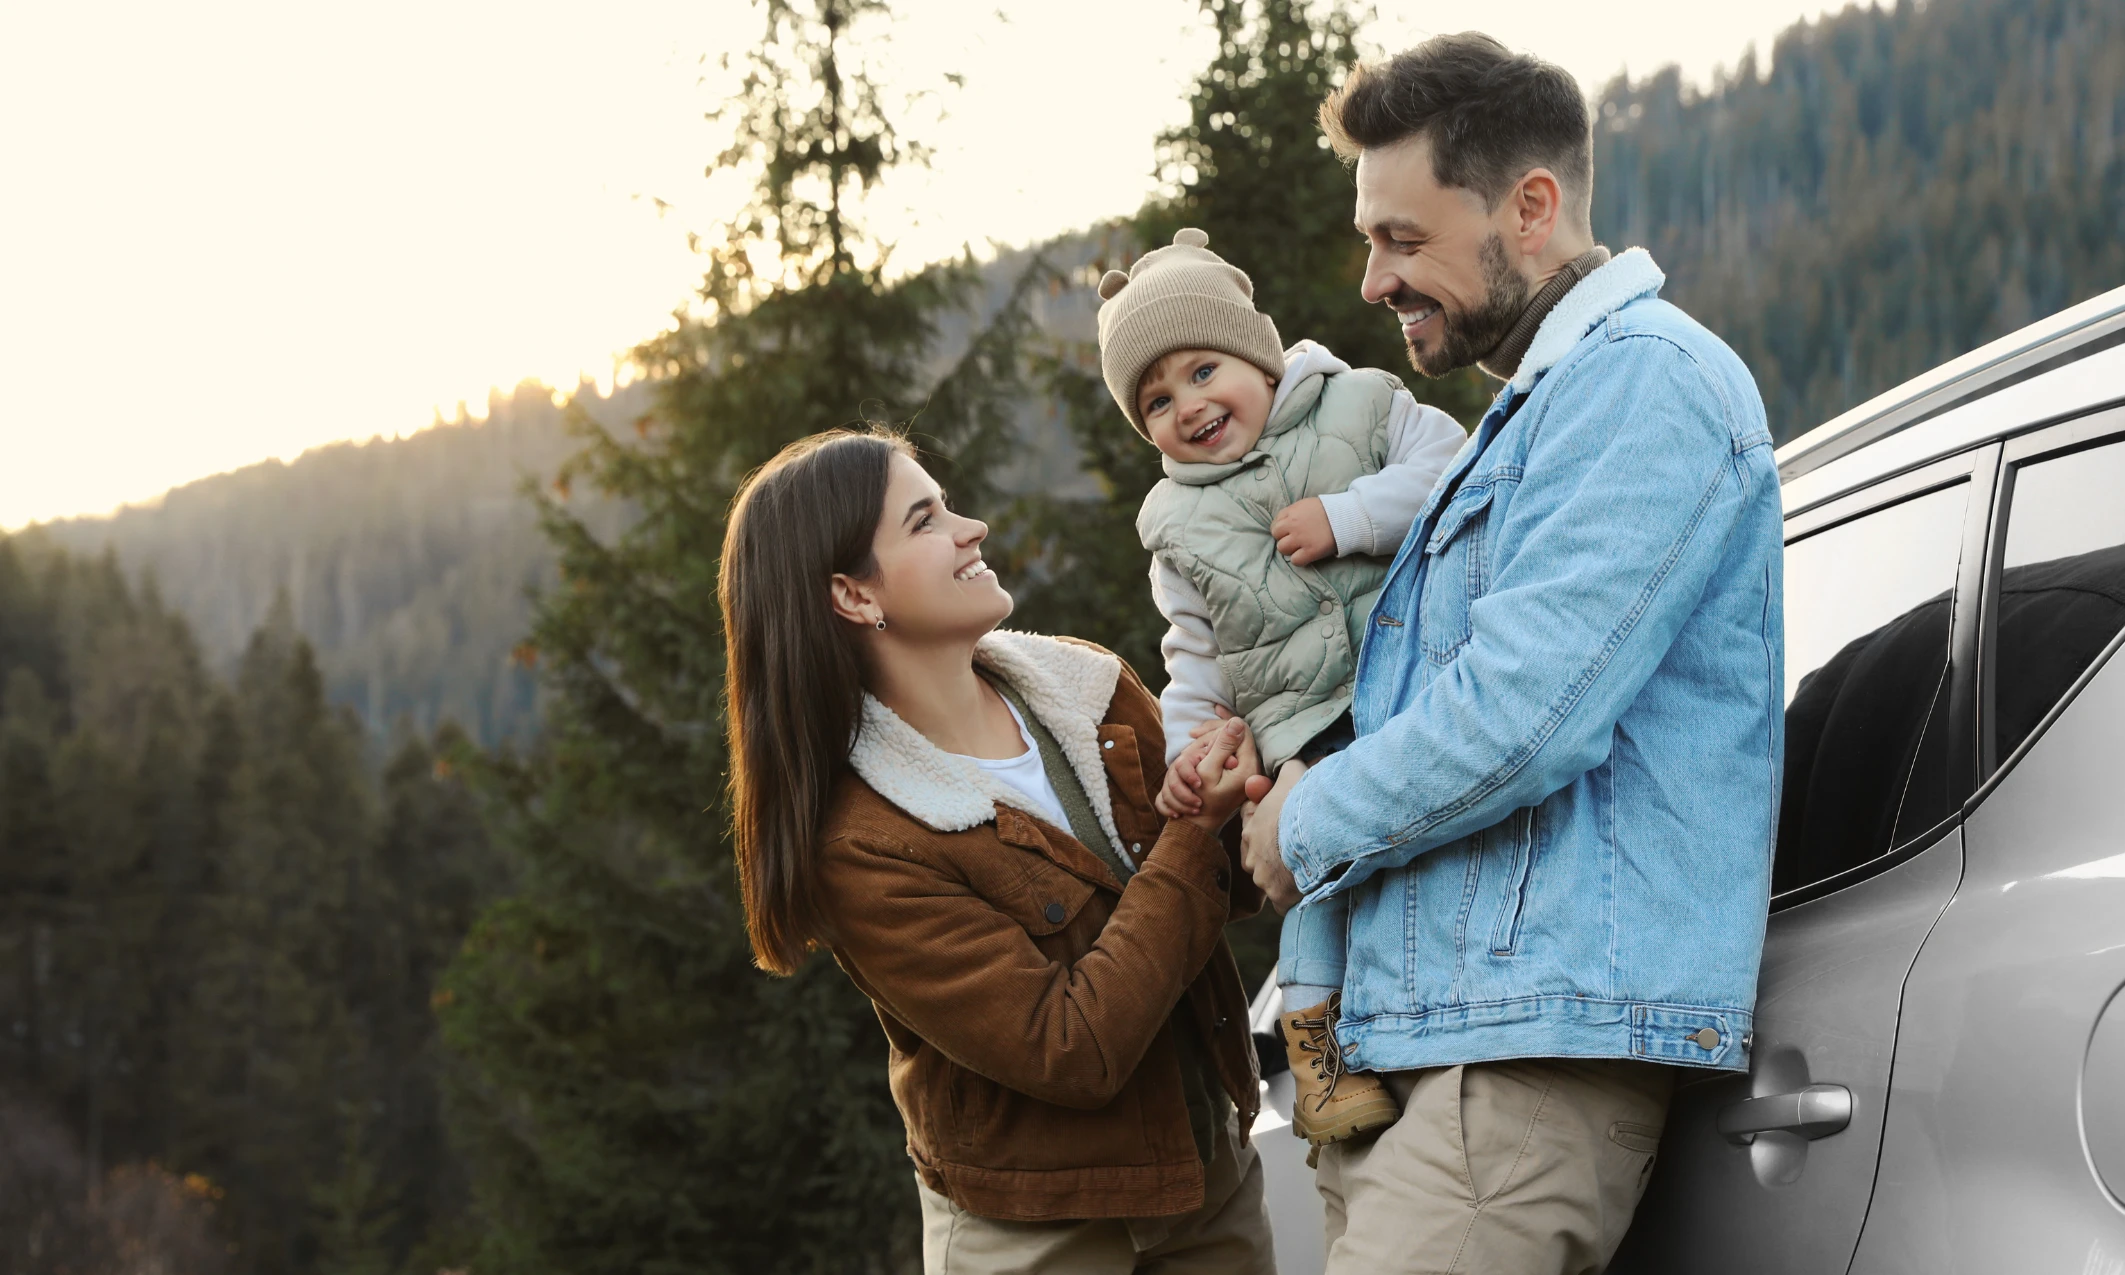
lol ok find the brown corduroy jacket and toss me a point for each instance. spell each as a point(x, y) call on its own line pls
point(1026, 994)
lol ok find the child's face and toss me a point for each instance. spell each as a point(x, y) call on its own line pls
point(1204, 406)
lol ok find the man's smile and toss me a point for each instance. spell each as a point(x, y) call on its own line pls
point(1414, 314)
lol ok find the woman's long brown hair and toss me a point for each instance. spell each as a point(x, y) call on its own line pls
point(796, 677)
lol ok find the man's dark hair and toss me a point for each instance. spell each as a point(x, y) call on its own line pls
point(1489, 113)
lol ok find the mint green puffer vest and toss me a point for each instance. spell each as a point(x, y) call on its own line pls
point(1287, 636)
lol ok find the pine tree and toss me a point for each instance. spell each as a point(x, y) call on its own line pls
point(637, 1096)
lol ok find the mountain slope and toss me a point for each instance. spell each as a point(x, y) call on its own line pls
point(1900, 186)
point(406, 561)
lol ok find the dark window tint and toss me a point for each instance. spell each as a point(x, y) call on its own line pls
point(1867, 612)
point(2062, 598)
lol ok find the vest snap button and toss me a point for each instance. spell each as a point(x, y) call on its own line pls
point(1328, 630)
point(1327, 605)
point(1054, 913)
point(1260, 474)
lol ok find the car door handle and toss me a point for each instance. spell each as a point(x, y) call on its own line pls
point(1815, 1112)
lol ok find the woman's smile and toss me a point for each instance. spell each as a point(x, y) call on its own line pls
point(974, 570)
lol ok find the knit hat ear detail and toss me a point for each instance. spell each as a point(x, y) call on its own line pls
point(1179, 297)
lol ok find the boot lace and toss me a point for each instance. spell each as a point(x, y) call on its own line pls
point(1320, 1041)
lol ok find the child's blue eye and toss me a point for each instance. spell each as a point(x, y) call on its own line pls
point(1203, 373)
point(1157, 405)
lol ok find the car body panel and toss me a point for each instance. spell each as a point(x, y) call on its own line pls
point(1826, 1007)
point(1984, 1166)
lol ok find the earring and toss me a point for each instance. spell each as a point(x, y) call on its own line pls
point(880, 625)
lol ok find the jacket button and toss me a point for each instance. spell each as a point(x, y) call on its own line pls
point(1136, 849)
point(1328, 630)
point(1221, 1021)
point(1260, 474)
point(1106, 743)
point(1054, 914)
point(1327, 605)
point(1706, 1038)
point(1224, 878)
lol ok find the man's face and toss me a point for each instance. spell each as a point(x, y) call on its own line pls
point(1438, 259)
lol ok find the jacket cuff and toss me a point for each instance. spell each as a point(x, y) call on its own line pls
point(1198, 857)
point(1348, 520)
point(1291, 840)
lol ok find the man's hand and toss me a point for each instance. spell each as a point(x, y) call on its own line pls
point(1302, 532)
point(1259, 853)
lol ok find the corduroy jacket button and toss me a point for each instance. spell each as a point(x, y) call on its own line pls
point(1054, 914)
point(1224, 878)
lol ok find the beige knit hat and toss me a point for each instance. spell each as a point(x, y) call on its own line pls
point(1179, 298)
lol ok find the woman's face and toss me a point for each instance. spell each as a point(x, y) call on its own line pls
point(931, 582)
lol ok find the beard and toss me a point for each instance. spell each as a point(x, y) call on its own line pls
point(1467, 337)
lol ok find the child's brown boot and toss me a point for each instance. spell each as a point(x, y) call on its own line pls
point(1331, 1104)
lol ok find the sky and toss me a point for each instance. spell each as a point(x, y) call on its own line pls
point(232, 230)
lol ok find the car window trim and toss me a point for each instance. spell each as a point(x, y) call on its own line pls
point(1909, 485)
point(2101, 427)
point(1980, 467)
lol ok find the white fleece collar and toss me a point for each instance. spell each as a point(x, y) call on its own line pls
point(1067, 686)
point(1623, 280)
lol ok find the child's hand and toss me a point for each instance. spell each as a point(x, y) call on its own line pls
point(1224, 772)
point(1177, 797)
point(1302, 532)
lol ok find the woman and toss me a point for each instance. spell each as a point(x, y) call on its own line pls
point(964, 817)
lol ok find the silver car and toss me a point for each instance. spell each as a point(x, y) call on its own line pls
point(1938, 1078)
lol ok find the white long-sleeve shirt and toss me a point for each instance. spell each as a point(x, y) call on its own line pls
point(1371, 516)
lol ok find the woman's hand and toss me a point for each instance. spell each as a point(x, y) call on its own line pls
point(1177, 796)
point(1222, 775)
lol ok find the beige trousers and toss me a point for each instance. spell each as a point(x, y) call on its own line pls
point(1229, 1235)
point(1524, 1167)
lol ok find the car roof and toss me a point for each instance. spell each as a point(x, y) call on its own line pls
point(2054, 368)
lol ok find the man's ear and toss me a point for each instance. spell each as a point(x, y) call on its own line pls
point(852, 601)
point(1536, 207)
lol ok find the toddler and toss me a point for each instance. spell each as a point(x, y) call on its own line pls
point(1291, 479)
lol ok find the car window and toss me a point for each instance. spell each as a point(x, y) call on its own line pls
point(1867, 617)
point(2062, 594)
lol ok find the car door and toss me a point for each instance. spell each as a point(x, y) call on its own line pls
point(2005, 1148)
point(1881, 589)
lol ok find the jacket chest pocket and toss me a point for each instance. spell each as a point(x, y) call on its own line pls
point(1045, 901)
point(1456, 572)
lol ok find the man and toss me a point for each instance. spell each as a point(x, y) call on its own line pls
point(1555, 826)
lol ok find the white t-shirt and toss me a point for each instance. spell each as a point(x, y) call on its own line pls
point(1027, 775)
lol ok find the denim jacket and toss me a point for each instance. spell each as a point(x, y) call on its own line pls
point(1556, 824)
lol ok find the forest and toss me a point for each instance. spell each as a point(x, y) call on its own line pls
point(365, 896)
